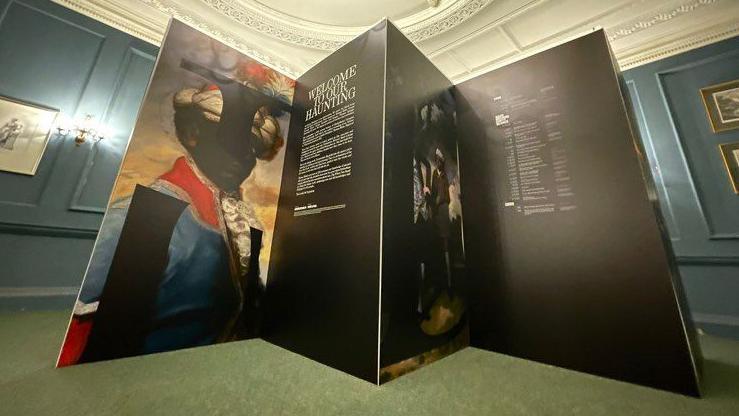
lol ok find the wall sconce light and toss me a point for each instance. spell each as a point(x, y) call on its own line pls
point(83, 129)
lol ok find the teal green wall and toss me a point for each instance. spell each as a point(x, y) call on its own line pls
point(699, 206)
point(52, 56)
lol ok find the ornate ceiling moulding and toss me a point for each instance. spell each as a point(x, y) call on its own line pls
point(423, 25)
point(282, 27)
point(226, 37)
point(706, 36)
point(421, 29)
point(145, 23)
point(655, 18)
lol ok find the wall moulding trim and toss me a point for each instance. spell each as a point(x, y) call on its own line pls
point(665, 200)
point(94, 148)
point(707, 260)
point(681, 140)
point(113, 14)
point(716, 319)
point(47, 231)
point(38, 291)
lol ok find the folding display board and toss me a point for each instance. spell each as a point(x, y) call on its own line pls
point(580, 273)
point(348, 285)
point(325, 215)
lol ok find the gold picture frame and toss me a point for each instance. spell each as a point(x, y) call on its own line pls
point(722, 105)
point(730, 155)
point(25, 129)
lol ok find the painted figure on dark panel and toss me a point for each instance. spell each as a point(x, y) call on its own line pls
point(436, 208)
point(425, 314)
point(178, 265)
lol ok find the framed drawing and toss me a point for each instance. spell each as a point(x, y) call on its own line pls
point(722, 105)
point(24, 132)
point(730, 154)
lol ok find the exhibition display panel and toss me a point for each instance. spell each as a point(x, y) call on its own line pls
point(374, 217)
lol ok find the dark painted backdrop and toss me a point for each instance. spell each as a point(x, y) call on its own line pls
point(700, 209)
point(48, 222)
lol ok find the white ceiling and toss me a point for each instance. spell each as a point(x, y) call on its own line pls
point(462, 37)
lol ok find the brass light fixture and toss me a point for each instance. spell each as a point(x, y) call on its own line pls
point(83, 129)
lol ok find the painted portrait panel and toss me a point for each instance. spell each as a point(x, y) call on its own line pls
point(182, 254)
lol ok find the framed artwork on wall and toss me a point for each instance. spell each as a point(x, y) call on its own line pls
point(722, 105)
point(24, 133)
point(730, 154)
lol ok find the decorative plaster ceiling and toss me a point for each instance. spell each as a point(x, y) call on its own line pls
point(462, 37)
point(336, 12)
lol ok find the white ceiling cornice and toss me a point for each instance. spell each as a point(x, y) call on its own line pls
point(222, 33)
point(462, 37)
point(720, 23)
point(654, 17)
point(425, 24)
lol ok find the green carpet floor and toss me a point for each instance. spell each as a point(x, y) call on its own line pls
point(254, 377)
